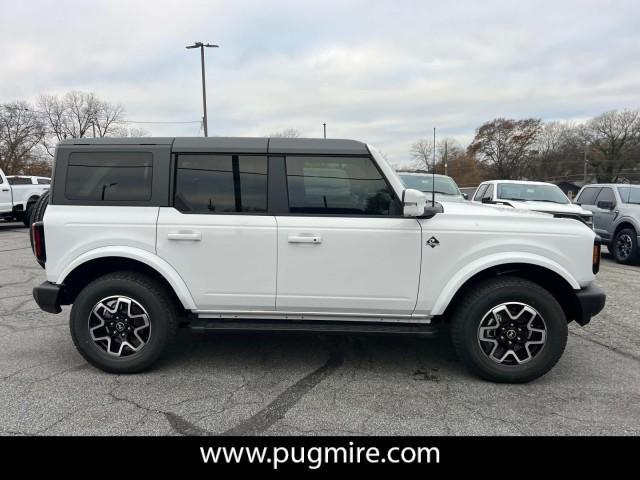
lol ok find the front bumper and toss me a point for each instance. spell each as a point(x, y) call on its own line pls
point(47, 295)
point(590, 302)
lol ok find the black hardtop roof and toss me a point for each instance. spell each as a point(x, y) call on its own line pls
point(236, 144)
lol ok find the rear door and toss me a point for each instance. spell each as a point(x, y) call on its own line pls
point(218, 234)
point(6, 205)
point(343, 246)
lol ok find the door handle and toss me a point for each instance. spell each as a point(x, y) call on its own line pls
point(189, 236)
point(304, 239)
point(5, 189)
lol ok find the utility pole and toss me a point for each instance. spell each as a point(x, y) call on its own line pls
point(584, 179)
point(445, 158)
point(202, 46)
point(324, 126)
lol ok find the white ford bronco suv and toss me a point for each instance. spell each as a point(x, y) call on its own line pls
point(143, 235)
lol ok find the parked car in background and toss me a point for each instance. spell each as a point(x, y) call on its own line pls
point(616, 217)
point(446, 187)
point(28, 180)
point(18, 195)
point(534, 196)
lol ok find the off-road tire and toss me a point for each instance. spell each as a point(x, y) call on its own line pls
point(483, 298)
point(629, 254)
point(150, 294)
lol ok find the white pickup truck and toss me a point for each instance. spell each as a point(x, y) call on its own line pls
point(18, 195)
point(143, 235)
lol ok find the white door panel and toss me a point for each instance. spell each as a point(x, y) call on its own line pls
point(348, 264)
point(228, 261)
point(6, 204)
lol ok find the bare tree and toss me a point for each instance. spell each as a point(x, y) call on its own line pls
point(614, 137)
point(77, 115)
point(504, 145)
point(286, 133)
point(108, 115)
point(21, 130)
point(422, 154)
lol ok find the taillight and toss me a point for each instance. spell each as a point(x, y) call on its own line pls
point(597, 247)
point(38, 241)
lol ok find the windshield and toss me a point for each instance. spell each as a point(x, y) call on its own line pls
point(630, 194)
point(527, 192)
point(444, 185)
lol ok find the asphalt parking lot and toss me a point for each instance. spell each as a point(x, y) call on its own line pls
point(308, 384)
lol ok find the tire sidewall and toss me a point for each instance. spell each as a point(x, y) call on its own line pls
point(79, 325)
point(634, 246)
point(542, 362)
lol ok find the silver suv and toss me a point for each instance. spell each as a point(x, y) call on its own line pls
point(616, 217)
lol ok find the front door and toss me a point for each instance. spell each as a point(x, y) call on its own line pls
point(603, 217)
point(218, 235)
point(6, 203)
point(344, 247)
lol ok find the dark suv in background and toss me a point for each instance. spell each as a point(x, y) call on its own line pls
point(616, 217)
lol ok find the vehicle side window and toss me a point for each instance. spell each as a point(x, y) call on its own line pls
point(588, 196)
point(1, 179)
point(221, 184)
point(489, 192)
point(629, 194)
point(480, 193)
point(606, 195)
point(44, 181)
point(337, 186)
point(109, 176)
point(19, 181)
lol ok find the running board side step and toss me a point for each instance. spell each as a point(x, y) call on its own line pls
point(313, 326)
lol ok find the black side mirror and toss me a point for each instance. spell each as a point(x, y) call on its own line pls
point(486, 200)
point(465, 196)
point(431, 211)
point(606, 205)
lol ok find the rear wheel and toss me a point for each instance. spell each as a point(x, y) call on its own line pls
point(625, 246)
point(123, 322)
point(509, 330)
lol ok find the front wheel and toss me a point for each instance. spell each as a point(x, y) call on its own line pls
point(625, 246)
point(509, 330)
point(123, 322)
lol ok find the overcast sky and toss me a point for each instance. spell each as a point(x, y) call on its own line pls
point(382, 72)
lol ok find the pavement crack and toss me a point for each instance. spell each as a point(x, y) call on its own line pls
point(178, 424)
point(277, 409)
point(617, 350)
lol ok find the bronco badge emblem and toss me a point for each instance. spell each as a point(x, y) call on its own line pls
point(433, 242)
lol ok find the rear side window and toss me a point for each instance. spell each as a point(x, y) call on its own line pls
point(480, 193)
point(630, 194)
point(109, 176)
point(19, 181)
point(221, 184)
point(588, 196)
point(337, 186)
point(44, 181)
